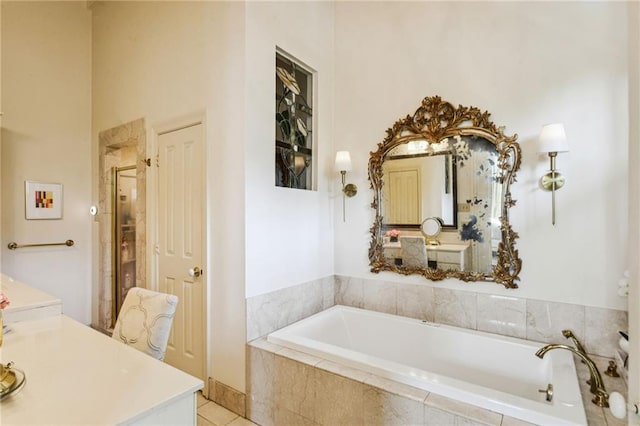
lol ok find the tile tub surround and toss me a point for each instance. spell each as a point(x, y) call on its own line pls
point(494, 372)
point(536, 320)
point(287, 387)
point(385, 402)
point(272, 311)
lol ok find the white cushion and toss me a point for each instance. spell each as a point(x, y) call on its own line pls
point(414, 251)
point(145, 319)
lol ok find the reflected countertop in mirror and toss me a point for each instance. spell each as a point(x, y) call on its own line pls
point(440, 247)
point(455, 166)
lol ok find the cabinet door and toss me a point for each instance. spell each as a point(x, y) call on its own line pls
point(447, 266)
point(449, 257)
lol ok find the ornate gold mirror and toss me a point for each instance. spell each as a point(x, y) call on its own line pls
point(454, 166)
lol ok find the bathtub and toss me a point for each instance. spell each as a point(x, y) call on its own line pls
point(497, 373)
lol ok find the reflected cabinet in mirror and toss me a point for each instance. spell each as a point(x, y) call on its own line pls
point(452, 168)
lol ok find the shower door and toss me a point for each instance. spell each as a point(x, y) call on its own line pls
point(124, 276)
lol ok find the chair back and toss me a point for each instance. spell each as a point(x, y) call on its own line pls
point(414, 251)
point(145, 320)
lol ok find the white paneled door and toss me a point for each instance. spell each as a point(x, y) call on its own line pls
point(404, 197)
point(180, 248)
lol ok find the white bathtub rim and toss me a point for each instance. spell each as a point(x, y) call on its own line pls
point(565, 412)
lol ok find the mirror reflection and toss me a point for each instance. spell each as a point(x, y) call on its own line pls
point(431, 228)
point(419, 185)
point(452, 166)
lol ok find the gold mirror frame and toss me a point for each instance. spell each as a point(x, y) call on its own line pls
point(434, 121)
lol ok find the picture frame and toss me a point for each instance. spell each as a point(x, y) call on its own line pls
point(42, 200)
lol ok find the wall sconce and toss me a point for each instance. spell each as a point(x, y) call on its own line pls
point(552, 141)
point(343, 165)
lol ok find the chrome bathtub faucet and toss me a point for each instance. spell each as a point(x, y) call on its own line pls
point(601, 397)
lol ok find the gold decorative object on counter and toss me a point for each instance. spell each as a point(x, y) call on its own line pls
point(11, 380)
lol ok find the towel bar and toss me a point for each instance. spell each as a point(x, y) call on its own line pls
point(13, 245)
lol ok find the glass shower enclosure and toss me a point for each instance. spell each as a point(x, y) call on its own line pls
point(124, 238)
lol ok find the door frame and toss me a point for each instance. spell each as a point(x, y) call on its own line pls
point(155, 130)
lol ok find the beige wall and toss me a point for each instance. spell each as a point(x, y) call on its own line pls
point(1, 238)
point(163, 61)
point(524, 64)
point(289, 233)
point(634, 204)
point(46, 136)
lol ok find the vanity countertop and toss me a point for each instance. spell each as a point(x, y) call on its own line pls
point(27, 302)
point(76, 375)
point(448, 247)
point(439, 247)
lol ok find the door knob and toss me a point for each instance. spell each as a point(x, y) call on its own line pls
point(195, 272)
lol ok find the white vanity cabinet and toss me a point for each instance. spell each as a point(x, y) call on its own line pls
point(27, 303)
point(78, 376)
point(456, 257)
point(392, 251)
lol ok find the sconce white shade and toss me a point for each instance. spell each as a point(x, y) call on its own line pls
point(553, 138)
point(343, 161)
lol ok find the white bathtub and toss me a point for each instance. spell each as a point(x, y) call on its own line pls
point(497, 373)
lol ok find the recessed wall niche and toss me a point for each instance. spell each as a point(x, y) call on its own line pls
point(294, 124)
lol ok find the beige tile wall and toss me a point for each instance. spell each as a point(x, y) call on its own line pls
point(529, 319)
point(536, 320)
point(272, 311)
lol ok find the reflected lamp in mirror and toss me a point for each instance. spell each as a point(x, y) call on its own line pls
point(553, 140)
point(343, 165)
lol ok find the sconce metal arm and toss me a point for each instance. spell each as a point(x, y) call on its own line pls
point(552, 181)
point(348, 189)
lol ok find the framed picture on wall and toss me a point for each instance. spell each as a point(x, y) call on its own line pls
point(42, 200)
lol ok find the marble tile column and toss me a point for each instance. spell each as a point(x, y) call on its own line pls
point(119, 146)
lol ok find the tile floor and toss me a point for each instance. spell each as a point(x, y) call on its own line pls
point(212, 414)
